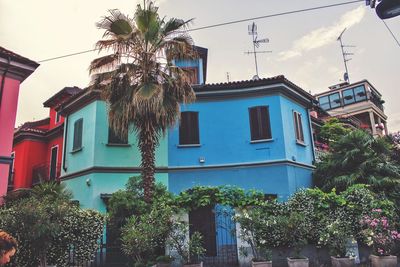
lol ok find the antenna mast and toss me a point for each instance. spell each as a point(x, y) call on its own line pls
point(256, 43)
point(345, 54)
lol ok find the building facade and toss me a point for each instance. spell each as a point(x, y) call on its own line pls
point(14, 69)
point(360, 104)
point(37, 146)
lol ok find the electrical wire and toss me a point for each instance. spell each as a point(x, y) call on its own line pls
point(394, 37)
point(229, 23)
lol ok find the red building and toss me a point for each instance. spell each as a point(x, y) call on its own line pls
point(37, 147)
point(14, 69)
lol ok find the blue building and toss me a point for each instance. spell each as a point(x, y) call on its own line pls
point(253, 134)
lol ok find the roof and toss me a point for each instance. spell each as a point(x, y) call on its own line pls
point(7, 53)
point(238, 85)
point(277, 84)
point(31, 130)
point(16, 66)
point(58, 97)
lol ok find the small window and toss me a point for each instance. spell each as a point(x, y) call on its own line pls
point(192, 74)
point(324, 102)
point(189, 128)
point(114, 138)
point(359, 93)
point(348, 96)
point(334, 100)
point(58, 117)
point(77, 144)
point(260, 126)
point(298, 127)
point(13, 160)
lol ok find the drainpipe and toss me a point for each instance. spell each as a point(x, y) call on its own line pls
point(65, 142)
point(4, 78)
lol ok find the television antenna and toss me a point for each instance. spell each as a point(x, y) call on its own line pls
point(345, 54)
point(256, 44)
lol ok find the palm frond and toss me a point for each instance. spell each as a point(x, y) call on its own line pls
point(100, 64)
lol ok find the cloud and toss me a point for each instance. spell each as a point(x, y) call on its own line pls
point(324, 35)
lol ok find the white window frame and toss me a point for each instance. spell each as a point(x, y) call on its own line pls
point(51, 152)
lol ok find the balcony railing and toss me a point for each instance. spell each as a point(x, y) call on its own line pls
point(41, 173)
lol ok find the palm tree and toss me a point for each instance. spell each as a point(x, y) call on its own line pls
point(358, 158)
point(139, 80)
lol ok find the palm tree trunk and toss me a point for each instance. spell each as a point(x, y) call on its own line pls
point(147, 144)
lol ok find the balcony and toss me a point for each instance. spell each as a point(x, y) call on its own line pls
point(41, 173)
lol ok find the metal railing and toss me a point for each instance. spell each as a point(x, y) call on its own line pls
point(41, 173)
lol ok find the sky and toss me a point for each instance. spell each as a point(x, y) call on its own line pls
point(304, 45)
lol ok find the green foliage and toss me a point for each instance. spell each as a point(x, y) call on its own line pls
point(336, 235)
point(333, 130)
point(201, 196)
point(190, 249)
point(358, 158)
point(47, 226)
point(144, 234)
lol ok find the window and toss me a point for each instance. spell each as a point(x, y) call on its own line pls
point(114, 138)
point(58, 117)
point(53, 163)
point(298, 126)
point(260, 127)
point(359, 93)
point(192, 74)
point(13, 160)
point(348, 96)
point(334, 100)
point(329, 101)
point(77, 144)
point(189, 128)
point(324, 102)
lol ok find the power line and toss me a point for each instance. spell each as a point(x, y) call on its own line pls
point(394, 37)
point(276, 15)
point(232, 22)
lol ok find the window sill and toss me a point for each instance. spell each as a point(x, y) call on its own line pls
point(117, 145)
point(301, 143)
point(189, 145)
point(261, 141)
point(76, 150)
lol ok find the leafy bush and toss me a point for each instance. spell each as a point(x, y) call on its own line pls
point(48, 227)
point(379, 233)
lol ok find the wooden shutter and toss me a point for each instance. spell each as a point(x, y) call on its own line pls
point(189, 128)
point(260, 126)
point(77, 134)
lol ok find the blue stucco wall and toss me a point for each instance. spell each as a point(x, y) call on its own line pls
point(224, 130)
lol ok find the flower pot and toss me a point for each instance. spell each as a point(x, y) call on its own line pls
point(193, 265)
point(297, 262)
point(163, 265)
point(342, 262)
point(383, 261)
point(261, 263)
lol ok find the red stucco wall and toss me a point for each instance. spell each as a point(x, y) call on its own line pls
point(8, 111)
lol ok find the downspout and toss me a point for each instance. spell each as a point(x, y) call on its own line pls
point(3, 79)
point(65, 143)
point(311, 134)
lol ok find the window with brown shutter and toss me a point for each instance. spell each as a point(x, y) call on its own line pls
point(260, 126)
point(189, 128)
point(298, 127)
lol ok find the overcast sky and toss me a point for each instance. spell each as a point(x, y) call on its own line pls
point(304, 46)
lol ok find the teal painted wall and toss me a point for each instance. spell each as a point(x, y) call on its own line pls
point(95, 150)
point(101, 183)
point(83, 159)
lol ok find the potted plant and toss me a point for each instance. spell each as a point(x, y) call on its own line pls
point(252, 229)
point(335, 236)
point(190, 249)
point(380, 234)
point(295, 234)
